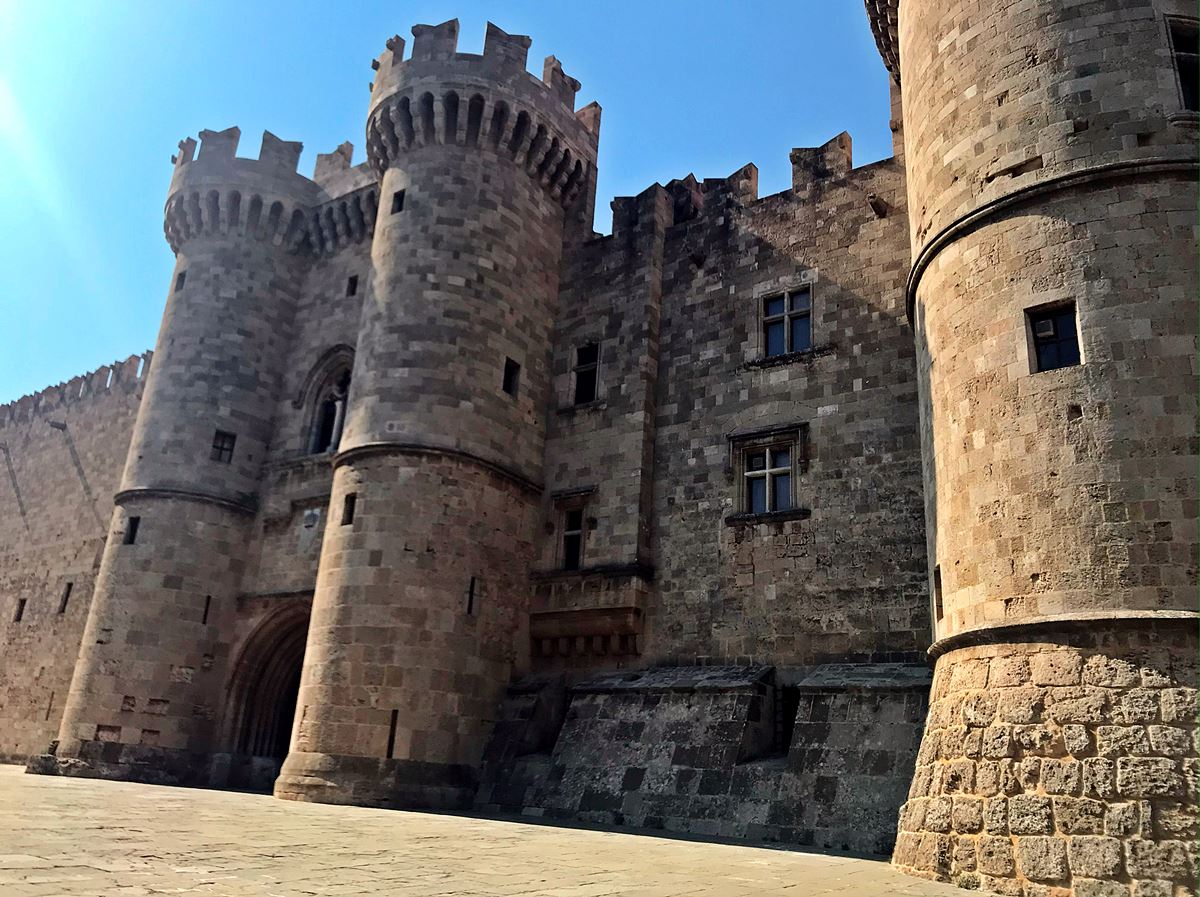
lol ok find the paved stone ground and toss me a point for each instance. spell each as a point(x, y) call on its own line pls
point(85, 838)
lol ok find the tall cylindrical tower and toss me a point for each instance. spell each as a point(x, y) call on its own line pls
point(424, 568)
point(1051, 178)
point(148, 678)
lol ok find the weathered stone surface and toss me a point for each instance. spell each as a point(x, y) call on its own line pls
point(1042, 859)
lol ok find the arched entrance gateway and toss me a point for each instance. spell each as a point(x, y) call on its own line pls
point(262, 698)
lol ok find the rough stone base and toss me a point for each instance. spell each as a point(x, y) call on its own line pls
point(127, 763)
point(1066, 765)
point(374, 782)
point(689, 750)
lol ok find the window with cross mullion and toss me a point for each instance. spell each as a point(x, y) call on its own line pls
point(769, 479)
point(787, 322)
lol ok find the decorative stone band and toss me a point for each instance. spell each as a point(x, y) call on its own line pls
point(249, 509)
point(416, 448)
point(405, 122)
point(229, 211)
point(984, 214)
point(1005, 633)
point(342, 221)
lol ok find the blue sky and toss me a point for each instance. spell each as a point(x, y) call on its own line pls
point(94, 98)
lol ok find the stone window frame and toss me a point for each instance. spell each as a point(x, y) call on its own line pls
point(1171, 23)
point(566, 504)
point(742, 444)
point(224, 443)
point(320, 385)
point(1029, 316)
point(756, 348)
point(577, 366)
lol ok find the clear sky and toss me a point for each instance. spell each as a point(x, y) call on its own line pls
point(95, 96)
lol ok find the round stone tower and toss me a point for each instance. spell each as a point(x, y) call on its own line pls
point(1051, 178)
point(147, 683)
point(424, 568)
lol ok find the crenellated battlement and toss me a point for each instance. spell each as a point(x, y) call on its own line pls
point(504, 57)
point(126, 375)
point(441, 97)
point(216, 192)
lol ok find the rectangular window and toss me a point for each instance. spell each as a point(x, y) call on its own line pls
point(572, 539)
point(352, 285)
point(66, 597)
point(768, 474)
point(1055, 337)
point(1185, 47)
point(512, 377)
point(131, 529)
point(787, 322)
point(937, 593)
point(397, 201)
point(179, 279)
point(348, 507)
point(20, 610)
point(222, 447)
point(587, 371)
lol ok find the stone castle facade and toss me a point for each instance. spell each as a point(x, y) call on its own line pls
point(429, 496)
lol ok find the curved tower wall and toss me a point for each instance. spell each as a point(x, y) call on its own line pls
point(421, 594)
point(145, 689)
point(1049, 163)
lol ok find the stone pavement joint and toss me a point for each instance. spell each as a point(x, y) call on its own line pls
point(62, 837)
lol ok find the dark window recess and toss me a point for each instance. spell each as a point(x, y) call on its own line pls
point(352, 285)
point(207, 608)
point(572, 555)
point(937, 593)
point(348, 506)
point(787, 323)
point(471, 597)
point(1185, 47)
point(769, 479)
point(222, 447)
point(179, 280)
point(511, 381)
point(787, 705)
point(20, 610)
point(391, 745)
point(1055, 337)
point(587, 371)
point(66, 597)
point(397, 201)
point(131, 529)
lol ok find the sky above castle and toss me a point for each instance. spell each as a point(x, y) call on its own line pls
point(95, 96)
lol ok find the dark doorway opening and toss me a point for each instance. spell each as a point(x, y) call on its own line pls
point(264, 694)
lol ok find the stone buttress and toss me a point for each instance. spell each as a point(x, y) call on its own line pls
point(1051, 166)
point(422, 589)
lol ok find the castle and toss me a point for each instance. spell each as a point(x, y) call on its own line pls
point(429, 496)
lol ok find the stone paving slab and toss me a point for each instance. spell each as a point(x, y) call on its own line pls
point(84, 838)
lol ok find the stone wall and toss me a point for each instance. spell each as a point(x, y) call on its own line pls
point(1068, 761)
point(695, 750)
point(56, 487)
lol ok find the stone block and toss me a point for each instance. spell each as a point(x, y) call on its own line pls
point(1179, 705)
point(1009, 672)
point(967, 815)
point(996, 855)
point(1170, 860)
point(1056, 668)
point(1122, 741)
point(1042, 858)
point(1090, 887)
point(1079, 816)
point(1170, 741)
point(995, 815)
point(1110, 672)
point(1099, 777)
point(1061, 776)
point(1093, 856)
point(1148, 777)
point(1030, 814)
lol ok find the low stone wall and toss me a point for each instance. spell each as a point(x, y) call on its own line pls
point(695, 750)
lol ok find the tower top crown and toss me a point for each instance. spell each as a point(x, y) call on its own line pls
point(486, 101)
